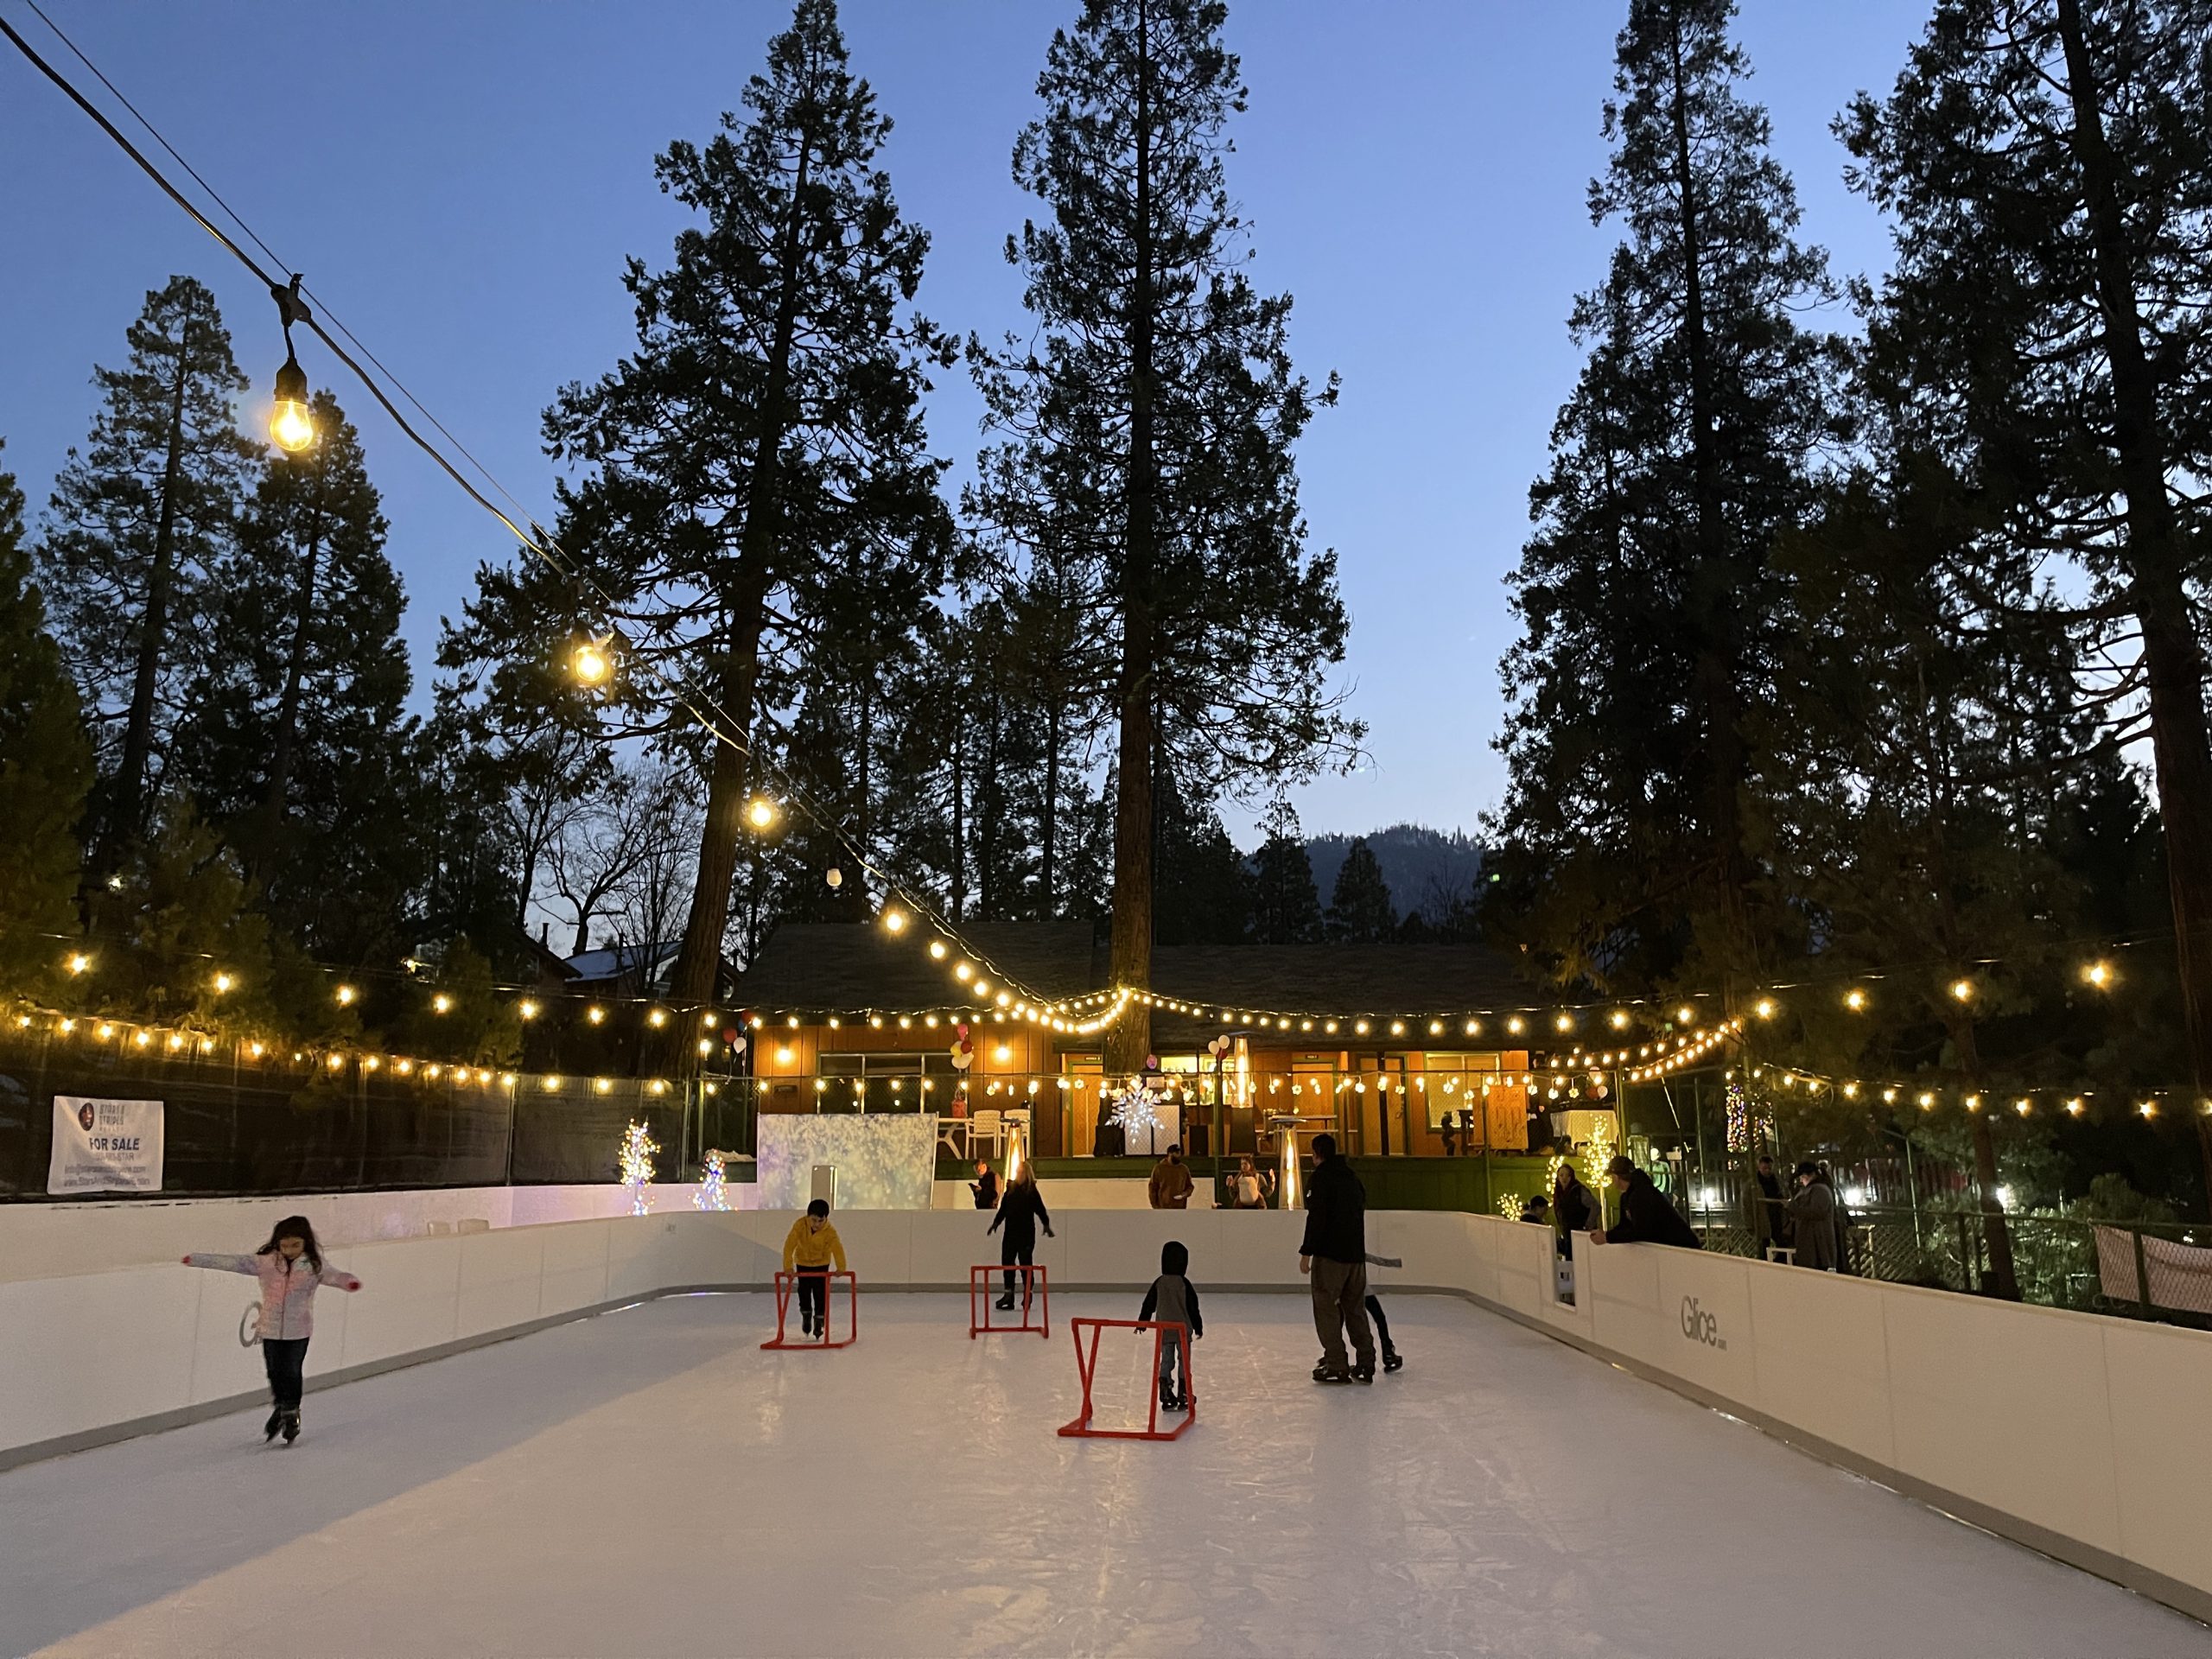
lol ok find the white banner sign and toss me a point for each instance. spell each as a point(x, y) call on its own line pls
point(106, 1146)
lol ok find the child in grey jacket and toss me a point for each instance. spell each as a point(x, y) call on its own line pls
point(1174, 1300)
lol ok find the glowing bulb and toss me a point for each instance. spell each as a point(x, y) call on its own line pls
point(1764, 1007)
point(291, 427)
point(2098, 974)
point(441, 1003)
point(595, 1015)
point(657, 1018)
point(223, 982)
point(80, 963)
point(1963, 989)
point(1001, 1053)
point(1684, 1015)
point(760, 812)
point(1565, 1022)
point(1620, 1019)
point(2075, 1106)
point(894, 921)
point(2149, 1108)
point(527, 1008)
point(346, 996)
point(1854, 999)
point(589, 664)
point(937, 948)
point(1514, 1025)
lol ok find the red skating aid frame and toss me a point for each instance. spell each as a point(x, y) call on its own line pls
point(1087, 1366)
point(1036, 1288)
point(787, 1282)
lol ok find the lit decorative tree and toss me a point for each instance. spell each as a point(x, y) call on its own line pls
point(711, 1195)
point(637, 1149)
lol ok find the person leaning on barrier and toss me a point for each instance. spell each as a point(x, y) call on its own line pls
point(1575, 1209)
point(1646, 1217)
point(1812, 1219)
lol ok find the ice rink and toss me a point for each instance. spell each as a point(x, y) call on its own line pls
point(649, 1482)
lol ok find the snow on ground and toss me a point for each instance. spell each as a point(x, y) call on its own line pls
point(649, 1481)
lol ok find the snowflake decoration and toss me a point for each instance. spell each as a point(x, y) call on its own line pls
point(637, 1149)
point(1136, 1111)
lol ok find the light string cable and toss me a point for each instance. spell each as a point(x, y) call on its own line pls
point(700, 705)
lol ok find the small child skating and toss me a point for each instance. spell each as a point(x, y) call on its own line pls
point(811, 1246)
point(290, 1269)
point(1174, 1300)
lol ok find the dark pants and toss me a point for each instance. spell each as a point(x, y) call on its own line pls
point(813, 1293)
point(1171, 1350)
point(285, 1358)
point(1382, 1325)
point(1339, 1297)
point(1013, 1250)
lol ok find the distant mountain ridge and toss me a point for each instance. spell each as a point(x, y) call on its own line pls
point(1425, 869)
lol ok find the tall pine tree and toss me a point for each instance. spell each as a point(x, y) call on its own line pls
point(1151, 428)
point(1644, 596)
point(1286, 905)
point(2049, 166)
point(1360, 911)
point(767, 424)
point(137, 524)
point(46, 766)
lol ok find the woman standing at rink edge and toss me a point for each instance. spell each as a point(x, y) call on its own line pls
point(290, 1269)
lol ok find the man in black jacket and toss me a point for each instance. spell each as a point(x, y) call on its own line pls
point(1646, 1217)
point(1334, 1253)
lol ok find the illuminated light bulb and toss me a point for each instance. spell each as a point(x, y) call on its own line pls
point(836, 877)
point(68, 1025)
point(937, 948)
point(982, 987)
point(601, 1085)
point(1973, 1103)
point(760, 812)
point(1765, 1008)
point(291, 425)
point(706, 1047)
point(1565, 1022)
point(526, 1008)
point(1515, 1025)
point(1963, 989)
point(223, 982)
point(1926, 1102)
point(337, 1062)
point(1397, 1027)
point(833, 1022)
point(875, 1022)
point(254, 1050)
point(894, 921)
point(80, 963)
point(1474, 1027)
point(590, 664)
point(2022, 1107)
point(2098, 974)
point(369, 1063)
point(1001, 1053)
point(2149, 1108)
point(1854, 999)
point(1851, 1091)
point(1684, 1015)
point(441, 1003)
point(1620, 1019)
point(104, 1031)
point(596, 1013)
point(930, 1019)
point(962, 973)
point(346, 995)
point(1331, 1028)
point(1003, 999)
point(906, 1022)
point(1359, 1027)
point(783, 1057)
point(405, 1068)
point(175, 1041)
point(659, 1017)
point(1889, 1097)
point(791, 1019)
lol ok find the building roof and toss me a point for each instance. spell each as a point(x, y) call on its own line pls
point(852, 965)
point(830, 966)
point(645, 963)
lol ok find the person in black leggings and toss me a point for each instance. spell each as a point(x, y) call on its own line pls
point(1020, 1212)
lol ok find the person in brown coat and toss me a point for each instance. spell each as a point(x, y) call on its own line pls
point(1171, 1184)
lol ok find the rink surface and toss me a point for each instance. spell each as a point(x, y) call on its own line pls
point(649, 1482)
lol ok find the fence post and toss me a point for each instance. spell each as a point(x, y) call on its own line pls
point(2142, 1275)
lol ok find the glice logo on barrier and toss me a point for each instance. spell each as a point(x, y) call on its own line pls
point(1700, 1327)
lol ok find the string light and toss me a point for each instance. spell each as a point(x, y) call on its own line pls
point(2098, 974)
point(346, 996)
point(441, 1003)
point(223, 983)
point(590, 664)
point(760, 812)
point(1963, 989)
point(1855, 1000)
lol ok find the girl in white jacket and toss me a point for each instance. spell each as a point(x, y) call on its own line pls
point(290, 1269)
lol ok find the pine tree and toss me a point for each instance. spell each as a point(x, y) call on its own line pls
point(1204, 894)
point(137, 526)
point(1286, 905)
point(295, 744)
point(46, 767)
point(1644, 597)
point(1148, 434)
point(2049, 166)
point(766, 427)
point(1360, 911)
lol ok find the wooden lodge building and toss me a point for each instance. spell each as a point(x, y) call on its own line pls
point(1402, 1050)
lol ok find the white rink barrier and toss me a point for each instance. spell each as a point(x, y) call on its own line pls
point(2078, 1435)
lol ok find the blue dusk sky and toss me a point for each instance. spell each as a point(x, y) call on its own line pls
point(462, 181)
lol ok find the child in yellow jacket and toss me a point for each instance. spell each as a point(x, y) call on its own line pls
point(810, 1247)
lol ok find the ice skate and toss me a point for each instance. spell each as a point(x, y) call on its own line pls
point(1393, 1360)
point(292, 1424)
point(1168, 1400)
point(276, 1421)
point(1364, 1373)
point(1005, 1304)
point(1330, 1374)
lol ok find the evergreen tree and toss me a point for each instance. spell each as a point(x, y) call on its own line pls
point(766, 429)
point(1204, 894)
point(295, 743)
point(2049, 166)
point(137, 524)
point(1360, 911)
point(1286, 905)
point(45, 769)
point(1148, 435)
point(1645, 601)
